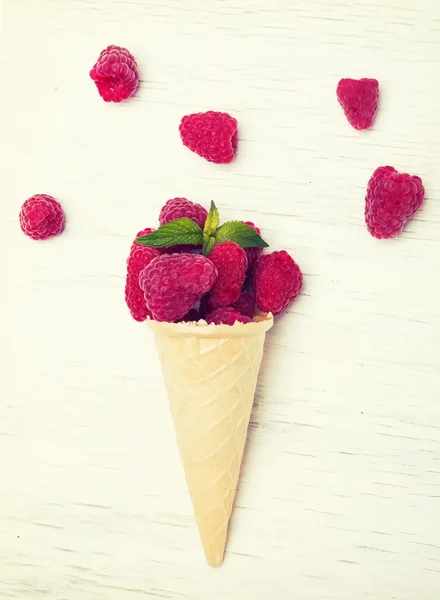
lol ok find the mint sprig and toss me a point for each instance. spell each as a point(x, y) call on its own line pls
point(187, 232)
point(173, 233)
point(241, 234)
point(212, 220)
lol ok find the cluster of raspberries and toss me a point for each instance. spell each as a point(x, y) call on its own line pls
point(230, 285)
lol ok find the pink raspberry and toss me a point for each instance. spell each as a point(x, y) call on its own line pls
point(139, 258)
point(211, 135)
point(245, 305)
point(134, 298)
point(115, 74)
point(252, 253)
point(231, 263)
point(41, 217)
point(178, 208)
point(392, 198)
point(142, 232)
point(174, 283)
point(277, 281)
point(226, 316)
point(359, 98)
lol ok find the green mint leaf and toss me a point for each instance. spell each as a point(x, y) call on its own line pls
point(212, 220)
point(179, 231)
point(241, 234)
point(208, 244)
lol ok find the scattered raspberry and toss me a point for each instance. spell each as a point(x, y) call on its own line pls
point(392, 198)
point(277, 281)
point(192, 315)
point(178, 208)
point(231, 263)
point(139, 258)
point(41, 217)
point(211, 135)
point(252, 253)
point(115, 74)
point(358, 98)
point(174, 283)
point(245, 305)
point(226, 316)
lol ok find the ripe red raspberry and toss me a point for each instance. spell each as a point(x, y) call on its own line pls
point(245, 305)
point(142, 232)
point(41, 217)
point(178, 208)
point(231, 263)
point(392, 198)
point(115, 74)
point(252, 253)
point(139, 258)
point(359, 98)
point(134, 298)
point(211, 135)
point(174, 283)
point(226, 316)
point(277, 281)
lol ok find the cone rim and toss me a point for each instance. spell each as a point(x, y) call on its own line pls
point(262, 322)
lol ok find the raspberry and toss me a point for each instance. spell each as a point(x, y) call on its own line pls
point(41, 217)
point(115, 74)
point(358, 98)
point(245, 305)
point(277, 281)
point(139, 258)
point(211, 135)
point(252, 253)
point(134, 298)
point(178, 208)
point(231, 263)
point(174, 283)
point(392, 198)
point(226, 316)
point(145, 231)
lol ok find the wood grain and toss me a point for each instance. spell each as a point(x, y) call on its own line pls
point(340, 490)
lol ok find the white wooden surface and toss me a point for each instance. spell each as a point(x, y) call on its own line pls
point(340, 490)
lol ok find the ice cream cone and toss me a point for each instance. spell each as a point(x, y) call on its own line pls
point(210, 373)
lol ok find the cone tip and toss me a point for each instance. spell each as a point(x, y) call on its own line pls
point(215, 559)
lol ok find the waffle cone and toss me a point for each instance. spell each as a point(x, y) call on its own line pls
point(210, 374)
